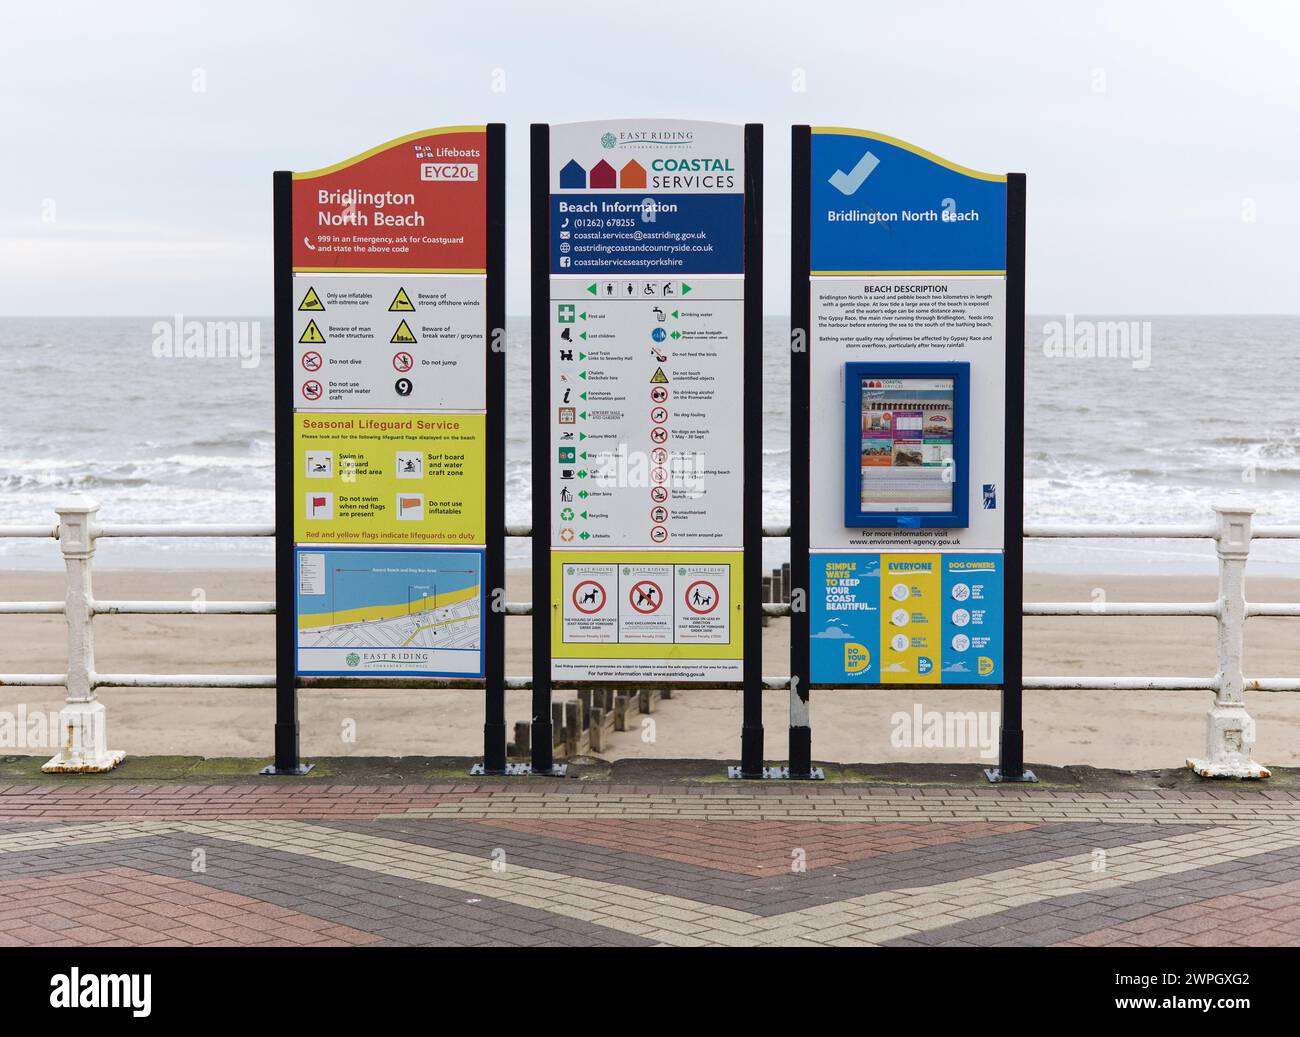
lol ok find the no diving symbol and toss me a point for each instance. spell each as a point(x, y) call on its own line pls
point(311, 360)
point(589, 597)
point(646, 596)
point(702, 597)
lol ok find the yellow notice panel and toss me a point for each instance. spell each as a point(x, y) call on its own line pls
point(653, 615)
point(911, 624)
point(389, 478)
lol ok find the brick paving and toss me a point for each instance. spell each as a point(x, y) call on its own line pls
point(549, 863)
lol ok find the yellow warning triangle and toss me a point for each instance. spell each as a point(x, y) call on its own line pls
point(311, 301)
point(311, 334)
point(659, 375)
point(404, 335)
point(401, 302)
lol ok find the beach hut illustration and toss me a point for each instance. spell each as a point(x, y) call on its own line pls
point(632, 175)
point(573, 175)
point(602, 175)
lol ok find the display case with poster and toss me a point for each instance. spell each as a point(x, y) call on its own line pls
point(905, 445)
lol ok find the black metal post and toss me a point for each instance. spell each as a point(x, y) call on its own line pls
point(1011, 761)
point(751, 729)
point(286, 688)
point(543, 760)
point(494, 632)
point(800, 431)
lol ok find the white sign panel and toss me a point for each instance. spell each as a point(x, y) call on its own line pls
point(646, 448)
point(646, 603)
point(907, 319)
point(389, 342)
point(646, 388)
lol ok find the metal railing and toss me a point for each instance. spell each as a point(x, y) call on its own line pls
point(1230, 729)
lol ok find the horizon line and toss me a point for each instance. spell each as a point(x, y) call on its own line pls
point(766, 314)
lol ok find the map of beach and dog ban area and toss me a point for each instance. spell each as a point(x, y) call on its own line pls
point(398, 611)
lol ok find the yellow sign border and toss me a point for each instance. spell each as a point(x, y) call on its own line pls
point(394, 143)
point(884, 138)
point(733, 650)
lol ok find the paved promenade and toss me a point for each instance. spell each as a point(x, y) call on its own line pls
point(90, 861)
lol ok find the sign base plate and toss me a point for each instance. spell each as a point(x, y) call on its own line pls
point(513, 770)
point(780, 774)
point(301, 769)
point(995, 775)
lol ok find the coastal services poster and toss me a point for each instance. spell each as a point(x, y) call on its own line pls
point(646, 328)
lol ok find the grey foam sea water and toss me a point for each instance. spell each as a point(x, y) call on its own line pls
point(89, 408)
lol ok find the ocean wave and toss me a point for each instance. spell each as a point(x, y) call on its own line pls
point(56, 474)
point(262, 440)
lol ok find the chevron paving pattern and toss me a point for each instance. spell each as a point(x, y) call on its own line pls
point(552, 864)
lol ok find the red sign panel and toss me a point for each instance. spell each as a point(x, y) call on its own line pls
point(417, 204)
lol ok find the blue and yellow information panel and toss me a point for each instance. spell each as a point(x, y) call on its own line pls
point(412, 611)
point(907, 618)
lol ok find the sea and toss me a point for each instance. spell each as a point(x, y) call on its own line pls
point(1201, 408)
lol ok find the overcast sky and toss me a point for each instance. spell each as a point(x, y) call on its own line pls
point(1160, 139)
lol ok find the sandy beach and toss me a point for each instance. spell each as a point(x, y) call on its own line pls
point(1135, 730)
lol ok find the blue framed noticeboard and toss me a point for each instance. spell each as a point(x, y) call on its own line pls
point(906, 445)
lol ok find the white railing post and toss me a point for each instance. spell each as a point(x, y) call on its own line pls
point(1230, 730)
point(83, 722)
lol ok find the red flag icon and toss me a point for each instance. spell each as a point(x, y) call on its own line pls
point(317, 502)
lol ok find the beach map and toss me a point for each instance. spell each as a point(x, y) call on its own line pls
point(415, 611)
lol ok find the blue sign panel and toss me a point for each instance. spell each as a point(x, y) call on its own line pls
point(908, 618)
point(673, 234)
point(845, 624)
point(972, 618)
point(905, 445)
point(880, 205)
point(416, 611)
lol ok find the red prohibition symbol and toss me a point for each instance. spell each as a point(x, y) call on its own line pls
point(702, 597)
point(311, 389)
point(658, 434)
point(659, 394)
point(659, 513)
point(658, 494)
point(659, 415)
point(646, 596)
point(589, 597)
point(403, 362)
point(659, 534)
point(311, 361)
